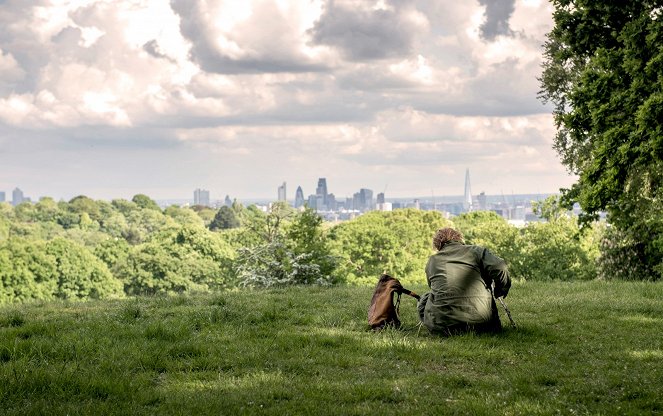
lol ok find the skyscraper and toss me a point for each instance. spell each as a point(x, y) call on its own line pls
point(321, 191)
point(363, 200)
point(2, 196)
point(201, 197)
point(482, 201)
point(282, 194)
point(467, 198)
point(17, 197)
point(299, 197)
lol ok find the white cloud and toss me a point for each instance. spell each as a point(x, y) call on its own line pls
point(363, 92)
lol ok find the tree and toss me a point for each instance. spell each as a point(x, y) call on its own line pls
point(602, 72)
point(549, 209)
point(145, 202)
point(80, 275)
point(224, 219)
point(284, 248)
point(397, 242)
point(205, 213)
point(176, 260)
point(84, 205)
point(183, 216)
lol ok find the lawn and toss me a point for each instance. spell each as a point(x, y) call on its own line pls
point(580, 348)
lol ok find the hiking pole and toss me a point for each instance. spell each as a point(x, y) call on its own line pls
point(508, 313)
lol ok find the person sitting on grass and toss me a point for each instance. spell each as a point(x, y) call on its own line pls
point(460, 278)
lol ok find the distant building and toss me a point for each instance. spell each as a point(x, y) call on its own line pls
point(363, 200)
point(313, 202)
point(227, 201)
point(331, 202)
point(467, 197)
point(299, 197)
point(17, 197)
point(2, 196)
point(282, 193)
point(201, 197)
point(321, 191)
point(380, 198)
point(482, 201)
point(384, 206)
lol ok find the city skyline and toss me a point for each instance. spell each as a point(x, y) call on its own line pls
point(111, 99)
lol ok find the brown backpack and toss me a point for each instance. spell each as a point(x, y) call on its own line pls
point(383, 310)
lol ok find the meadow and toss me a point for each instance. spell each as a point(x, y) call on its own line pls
point(580, 348)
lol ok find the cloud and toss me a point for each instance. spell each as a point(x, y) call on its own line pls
point(498, 13)
point(363, 34)
point(228, 95)
point(232, 37)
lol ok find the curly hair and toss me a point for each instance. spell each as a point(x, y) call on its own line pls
point(445, 235)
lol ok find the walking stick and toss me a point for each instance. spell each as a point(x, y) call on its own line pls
point(508, 313)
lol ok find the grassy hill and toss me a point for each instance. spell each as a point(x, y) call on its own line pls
point(591, 347)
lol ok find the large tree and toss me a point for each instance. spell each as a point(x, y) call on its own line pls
point(603, 72)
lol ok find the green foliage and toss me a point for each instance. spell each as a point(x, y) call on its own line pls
point(603, 60)
point(489, 230)
point(80, 275)
point(26, 271)
point(113, 252)
point(550, 208)
point(55, 269)
point(224, 219)
point(622, 257)
point(84, 205)
point(183, 216)
point(205, 213)
point(397, 242)
point(554, 251)
point(144, 222)
point(177, 260)
point(286, 248)
point(145, 202)
point(308, 240)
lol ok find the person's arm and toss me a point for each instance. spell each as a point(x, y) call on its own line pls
point(428, 270)
point(495, 271)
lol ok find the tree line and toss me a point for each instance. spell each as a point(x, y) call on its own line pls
point(89, 249)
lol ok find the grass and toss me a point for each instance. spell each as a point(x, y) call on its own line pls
point(580, 348)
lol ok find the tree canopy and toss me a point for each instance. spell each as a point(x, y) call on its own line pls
point(603, 73)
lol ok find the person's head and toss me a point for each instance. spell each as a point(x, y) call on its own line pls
point(445, 235)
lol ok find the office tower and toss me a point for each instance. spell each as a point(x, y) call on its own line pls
point(482, 201)
point(299, 197)
point(282, 196)
point(313, 202)
point(331, 202)
point(467, 197)
point(363, 200)
point(227, 202)
point(201, 197)
point(366, 196)
point(380, 198)
point(2, 196)
point(321, 191)
point(17, 197)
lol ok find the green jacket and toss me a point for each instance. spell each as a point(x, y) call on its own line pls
point(460, 278)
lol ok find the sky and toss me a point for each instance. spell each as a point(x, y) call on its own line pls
point(110, 98)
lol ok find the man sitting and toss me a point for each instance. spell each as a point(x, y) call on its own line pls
point(460, 278)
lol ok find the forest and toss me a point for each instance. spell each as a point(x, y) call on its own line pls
point(94, 249)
